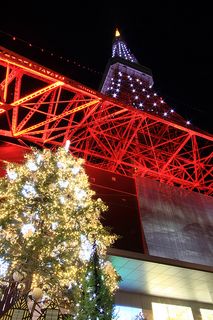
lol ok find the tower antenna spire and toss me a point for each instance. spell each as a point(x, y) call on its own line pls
point(117, 33)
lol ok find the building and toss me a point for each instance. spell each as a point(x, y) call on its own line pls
point(145, 161)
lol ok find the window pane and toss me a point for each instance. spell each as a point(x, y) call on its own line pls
point(171, 312)
point(206, 314)
point(126, 313)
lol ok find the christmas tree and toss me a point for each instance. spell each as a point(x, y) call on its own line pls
point(49, 221)
point(94, 297)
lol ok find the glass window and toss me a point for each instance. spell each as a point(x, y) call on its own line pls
point(171, 312)
point(206, 314)
point(128, 313)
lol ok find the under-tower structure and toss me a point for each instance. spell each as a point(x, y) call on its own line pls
point(150, 166)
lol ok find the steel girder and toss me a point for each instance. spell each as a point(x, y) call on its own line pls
point(39, 106)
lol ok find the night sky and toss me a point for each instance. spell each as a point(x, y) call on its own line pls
point(174, 39)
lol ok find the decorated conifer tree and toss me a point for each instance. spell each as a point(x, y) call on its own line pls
point(95, 295)
point(49, 218)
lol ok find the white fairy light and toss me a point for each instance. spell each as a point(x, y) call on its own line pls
point(63, 183)
point(75, 170)
point(12, 175)
point(60, 165)
point(32, 166)
point(86, 249)
point(39, 158)
point(54, 225)
point(80, 193)
point(62, 199)
point(28, 190)
point(67, 145)
point(27, 229)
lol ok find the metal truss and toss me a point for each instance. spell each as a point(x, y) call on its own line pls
point(41, 107)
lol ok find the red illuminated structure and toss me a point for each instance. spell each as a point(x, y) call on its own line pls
point(143, 160)
point(42, 107)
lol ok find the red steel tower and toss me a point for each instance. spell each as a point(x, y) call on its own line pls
point(133, 133)
point(151, 159)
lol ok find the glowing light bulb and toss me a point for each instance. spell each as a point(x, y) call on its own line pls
point(12, 175)
point(79, 193)
point(86, 249)
point(75, 170)
point(32, 166)
point(63, 183)
point(27, 230)
point(60, 165)
point(28, 190)
point(67, 145)
point(39, 158)
point(62, 200)
point(54, 225)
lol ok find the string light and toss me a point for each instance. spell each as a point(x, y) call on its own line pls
point(47, 52)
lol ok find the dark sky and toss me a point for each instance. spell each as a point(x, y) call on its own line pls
point(173, 38)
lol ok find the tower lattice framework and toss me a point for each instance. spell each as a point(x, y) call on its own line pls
point(41, 107)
